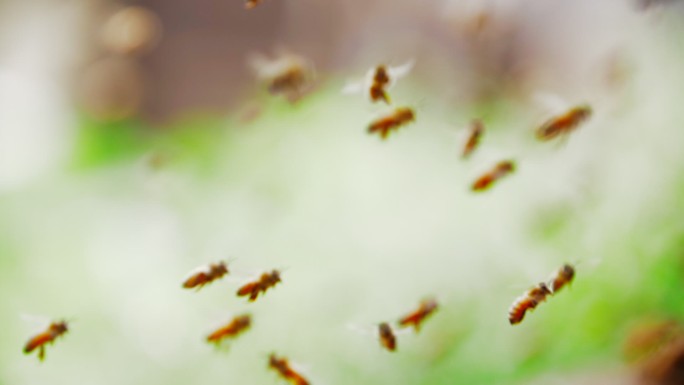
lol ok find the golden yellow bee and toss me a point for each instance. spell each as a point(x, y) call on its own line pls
point(236, 326)
point(205, 275)
point(39, 341)
point(564, 123)
point(528, 301)
point(392, 121)
point(501, 169)
point(261, 285)
point(283, 367)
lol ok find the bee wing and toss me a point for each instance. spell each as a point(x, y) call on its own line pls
point(353, 87)
point(37, 323)
point(264, 67)
point(550, 101)
point(363, 330)
point(400, 71)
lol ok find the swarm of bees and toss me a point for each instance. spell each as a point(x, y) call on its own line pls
point(538, 294)
point(291, 76)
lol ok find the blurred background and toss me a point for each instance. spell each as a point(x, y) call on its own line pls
point(139, 140)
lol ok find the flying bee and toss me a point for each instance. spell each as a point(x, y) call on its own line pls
point(387, 338)
point(476, 131)
point(392, 121)
point(261, 285)
point(562, 278)
point(39, 341)
point(231, 330)
point(283, 367)
point(528, 301)
point(378, 81)
point(416, 318)
point(564, 123)
point(377, 89)
point(501, 169)
point(288, 75)
point(205, 275)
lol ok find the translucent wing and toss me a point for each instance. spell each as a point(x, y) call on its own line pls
point(398, 72)
point(353, 87)
point(551, 102)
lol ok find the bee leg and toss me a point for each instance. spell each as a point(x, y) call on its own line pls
point(41, 353)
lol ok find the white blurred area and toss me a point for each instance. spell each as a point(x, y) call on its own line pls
point(40, 44)
point(363, 228)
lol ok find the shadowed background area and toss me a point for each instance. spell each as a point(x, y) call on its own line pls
point(138, 142)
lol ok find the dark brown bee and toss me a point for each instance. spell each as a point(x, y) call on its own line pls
point(249, 4)
point(563, 124)
point(476, 131)
point(393, 121)
point(501, 169)
point(39, 341)
point(282, 366)
point(377, 89)
point(289, 75)
point(562, 278)
point(528, 301)
point(419, 315)
point(236, 326)
point(205, 275)
point(254, 288)
point(289, 81)
point(387, 338)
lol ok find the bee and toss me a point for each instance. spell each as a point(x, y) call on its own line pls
point(236, 326)
point(419, 315)
point(563, 124)
point(387, 338)
point(501, 169)
point(205, 275)
point(377, 89)
point(562, 278)
point(288, 75)
point(261, 285)
point(476, 131)
point(392, 121)
point(378, 80)
point(39, 341)
point(282, 366)
point(249, 4)
point(528, 301)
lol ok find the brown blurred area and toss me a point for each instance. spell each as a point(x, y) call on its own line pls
point(469, 51)
point(199, 63)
